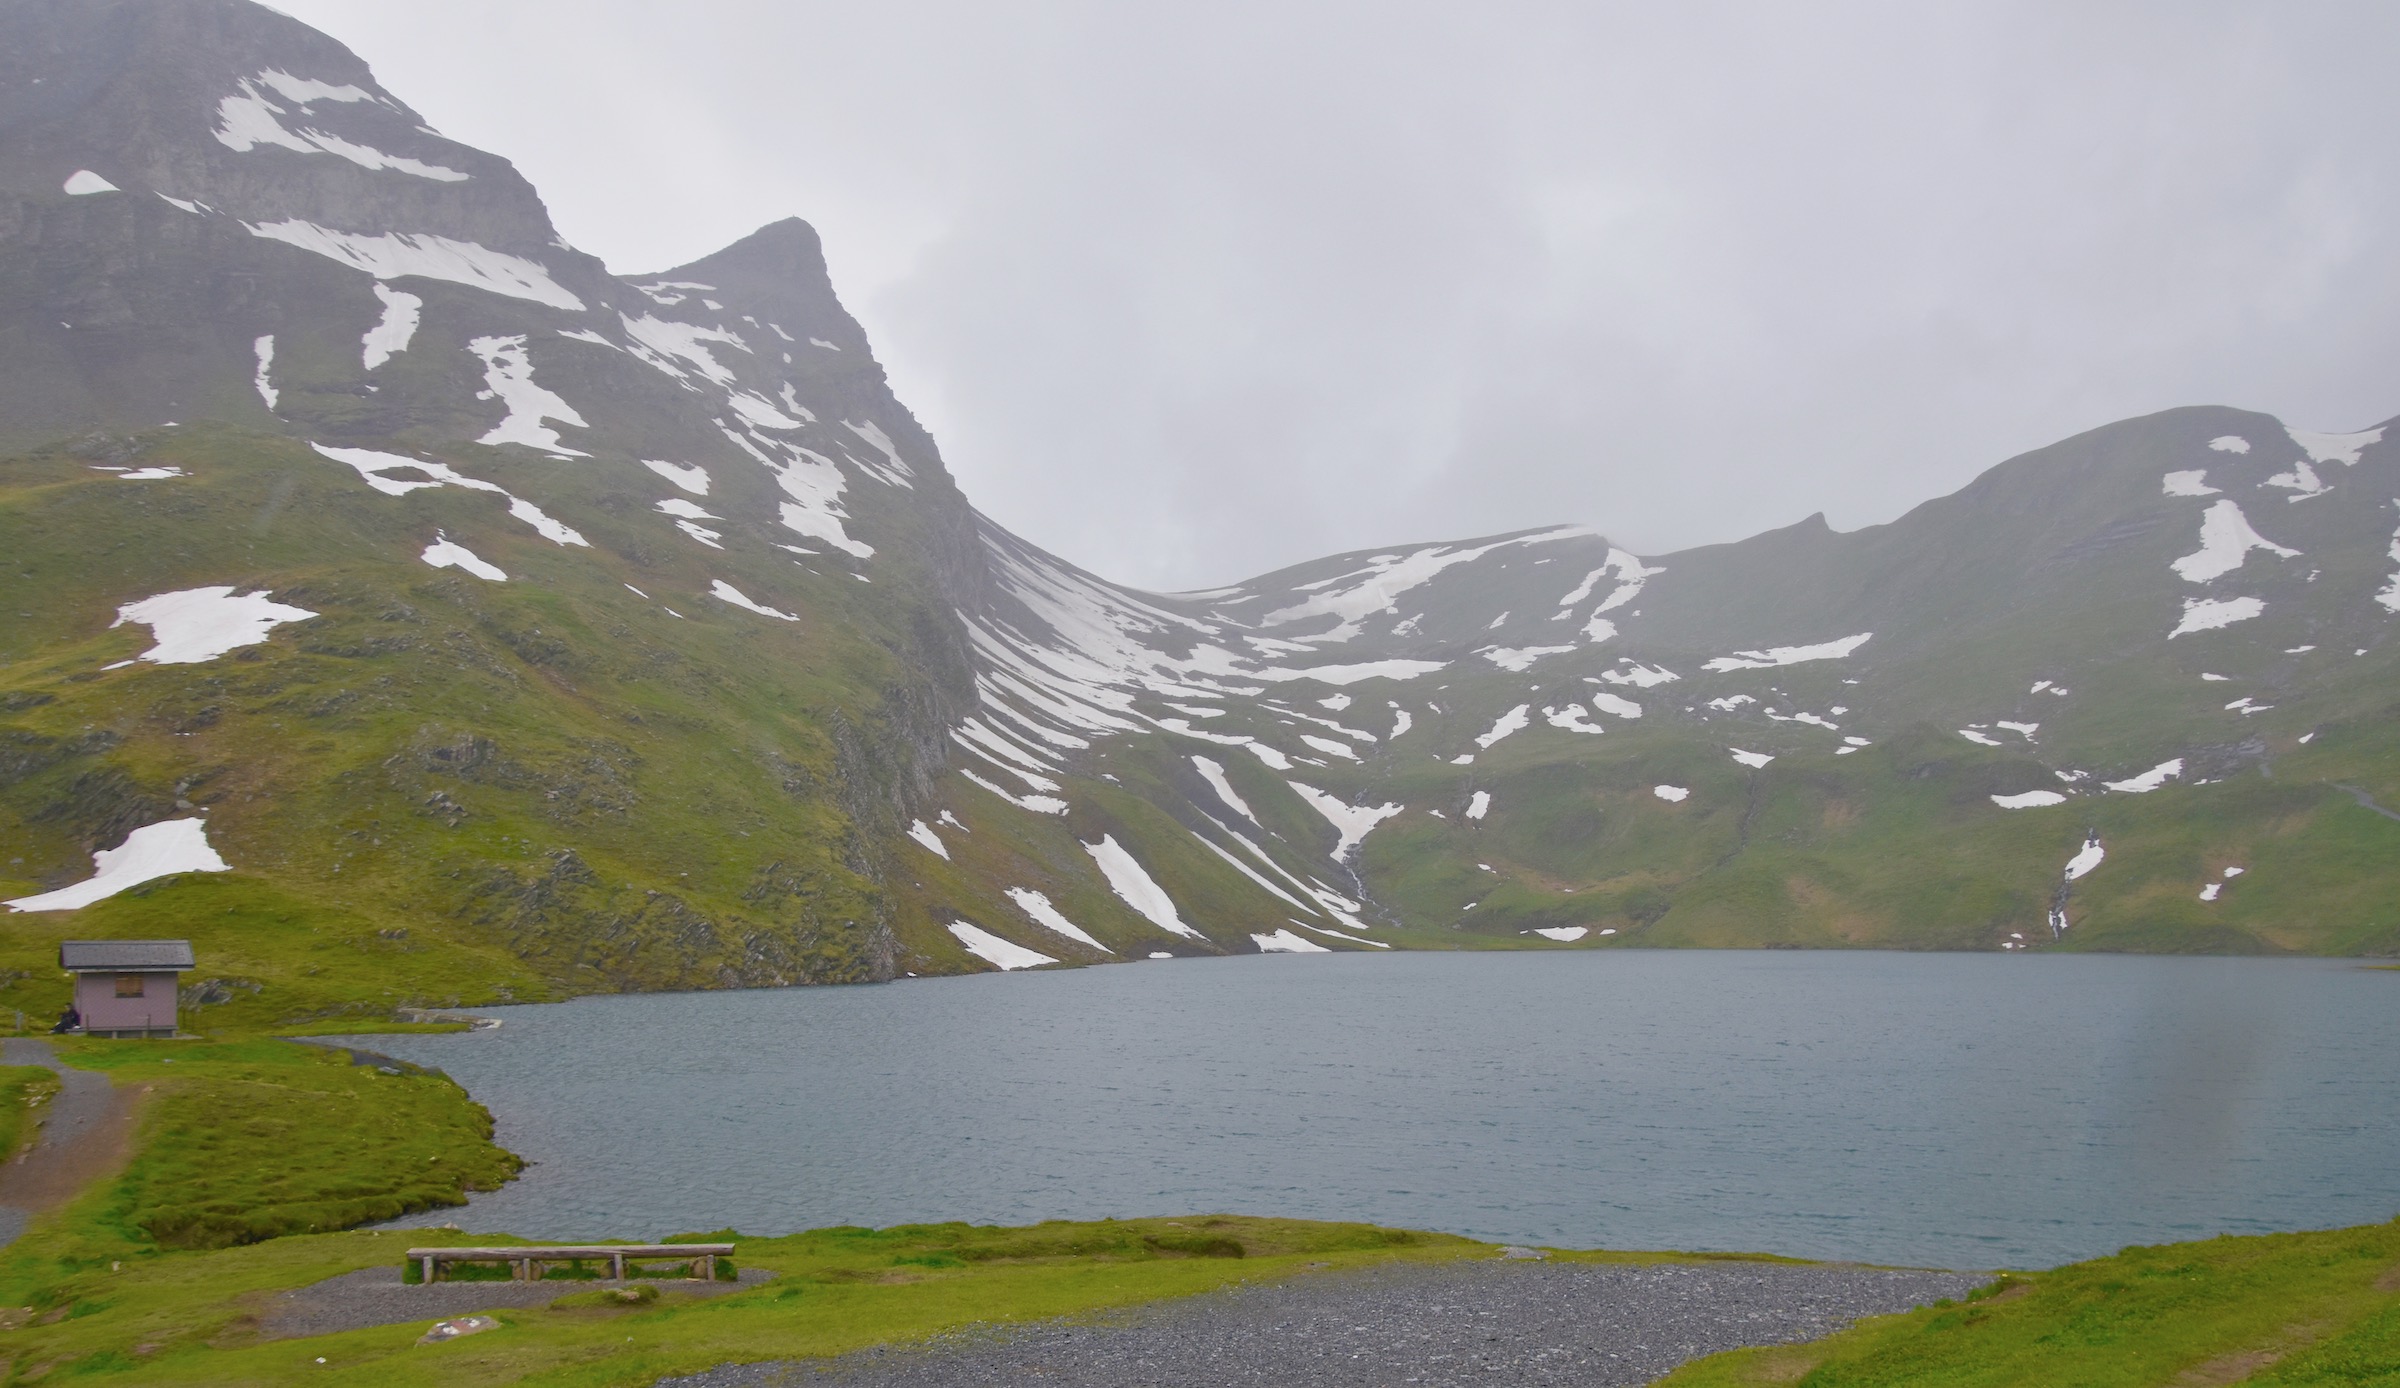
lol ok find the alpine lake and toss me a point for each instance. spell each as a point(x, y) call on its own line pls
point(1964, 1111)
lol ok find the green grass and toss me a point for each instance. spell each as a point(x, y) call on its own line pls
point(189, 1318)
point(23, 1091)
point(247, 1141)
point(2293, 1309)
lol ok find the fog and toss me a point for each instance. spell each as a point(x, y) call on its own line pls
point(1189, 293)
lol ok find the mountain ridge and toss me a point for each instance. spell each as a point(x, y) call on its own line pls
point(757, 696)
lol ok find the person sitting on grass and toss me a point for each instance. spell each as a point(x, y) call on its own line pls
point(69, 1020)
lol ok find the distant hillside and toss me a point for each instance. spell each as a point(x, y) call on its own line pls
point(415, 614)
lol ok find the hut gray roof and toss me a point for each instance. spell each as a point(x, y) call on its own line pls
point(103, 956)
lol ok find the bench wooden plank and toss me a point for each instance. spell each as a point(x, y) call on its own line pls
point(525, 1260)
point(574, 1250)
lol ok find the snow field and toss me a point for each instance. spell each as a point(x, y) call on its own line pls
point(1351, 822)
point(264, 380)
point(2149, 780)
point(991, 949)
point(1617, 704)
point(250, 120)
point(1572, 718)
point(394, 330)
point(199, 624)
point(2208, 614)
point(1787, 655)
point(2032, 799)
point(691, 477)
point(2226, 539)
point(1516, 720)
point(726, 592)
point(1037, 906)
point(1214, 774)
point(147, 854)
point(1127, 879)
point(397, 255)
point(508, 378)
point(446, 553)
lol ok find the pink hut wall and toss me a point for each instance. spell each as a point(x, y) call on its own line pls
point(96, 998)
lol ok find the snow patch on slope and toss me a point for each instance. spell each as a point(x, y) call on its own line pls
point(1351, 822)
point(1127, 879)
point(1214, 774)
point(1514, 721)
point(991, 949)
point(1788, 655)
point(726, 592)
point(147, 854)
point(2208, 614)
point(2032, 799)
point(691, 477)
point(199, 624)
point(445, 553)
point(395, 255)
point(2149, 780)
point(508, 378)
point(394, 330)
point(250, 119)
point(264, 380)
point(1049, 917)
point(2334, 448)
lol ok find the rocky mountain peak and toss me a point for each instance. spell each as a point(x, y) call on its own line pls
point(238, 108)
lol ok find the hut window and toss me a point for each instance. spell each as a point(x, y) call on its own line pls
point(129, 985)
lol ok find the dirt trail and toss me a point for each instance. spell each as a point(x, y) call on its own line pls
point(87, 1134)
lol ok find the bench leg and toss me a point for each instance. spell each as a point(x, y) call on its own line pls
point(616, 1267)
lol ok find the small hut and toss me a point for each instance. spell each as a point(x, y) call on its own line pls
point(126, 987)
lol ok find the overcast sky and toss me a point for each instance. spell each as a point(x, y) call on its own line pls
point(1190, 292)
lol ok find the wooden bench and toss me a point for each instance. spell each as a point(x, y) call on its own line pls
point(527, 1262)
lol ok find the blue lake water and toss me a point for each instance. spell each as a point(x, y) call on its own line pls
point(1953, 1110)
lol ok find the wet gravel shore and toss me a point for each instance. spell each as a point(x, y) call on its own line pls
point(1499, 1323)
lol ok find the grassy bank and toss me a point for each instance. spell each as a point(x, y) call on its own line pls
point(245, 1141)
point(2286, 1309)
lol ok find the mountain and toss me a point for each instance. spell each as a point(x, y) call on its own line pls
point(412, 612)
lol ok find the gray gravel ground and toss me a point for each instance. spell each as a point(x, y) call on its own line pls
point(1498, 1324)
point(71, 1137)
point(377, 1296)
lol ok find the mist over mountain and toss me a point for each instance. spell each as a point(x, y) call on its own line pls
point(389, 586)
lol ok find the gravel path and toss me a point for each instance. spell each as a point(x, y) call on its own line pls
point(377, 1296)
point(1499, 1324)
point(87, 1131)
